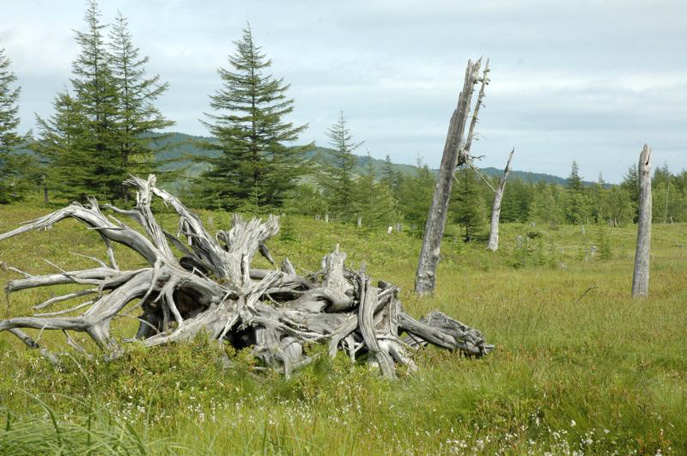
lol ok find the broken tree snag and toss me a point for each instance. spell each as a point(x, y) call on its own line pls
point(496, 208)
point(464, 155)
point(640, 278)
point(436, 220)
point(211, 289)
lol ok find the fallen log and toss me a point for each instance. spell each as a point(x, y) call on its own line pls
point(212, 289)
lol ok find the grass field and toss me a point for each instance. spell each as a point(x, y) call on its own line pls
point(579, 367)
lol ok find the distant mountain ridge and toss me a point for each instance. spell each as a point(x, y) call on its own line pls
point(179, 147)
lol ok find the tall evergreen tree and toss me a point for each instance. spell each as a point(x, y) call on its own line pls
point(338, 179)
point(256, 164)
point(373, 200)
point(102, 129)
point(12, 165)
point(578, 206)
point(60, 146)
point(574, 181)
point(630, 184)
point(415, 196)
point(389, 176)
point(137, 117)
point(96, 91)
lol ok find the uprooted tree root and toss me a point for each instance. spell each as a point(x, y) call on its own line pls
point(211, 289)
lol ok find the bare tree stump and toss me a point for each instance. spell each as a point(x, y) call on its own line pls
point(454, 154)
point(493, 244)
point(213, 290)
point(640, 278)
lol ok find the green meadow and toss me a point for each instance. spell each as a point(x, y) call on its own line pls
point(579, 367)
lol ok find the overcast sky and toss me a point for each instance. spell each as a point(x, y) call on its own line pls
point(590, 81)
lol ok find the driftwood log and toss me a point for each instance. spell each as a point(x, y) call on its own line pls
point(212, 289)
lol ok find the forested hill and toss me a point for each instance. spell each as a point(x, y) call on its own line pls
point(179, 147)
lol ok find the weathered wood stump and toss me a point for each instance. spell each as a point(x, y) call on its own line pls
point(212, 289)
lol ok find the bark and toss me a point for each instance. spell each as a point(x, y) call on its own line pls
point(425, 278)
point(493, 244)
point(640, 278)
point(212, 290)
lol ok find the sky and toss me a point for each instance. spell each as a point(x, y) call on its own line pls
point(590, 81)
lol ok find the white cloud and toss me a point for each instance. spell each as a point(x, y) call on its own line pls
point(586, 80)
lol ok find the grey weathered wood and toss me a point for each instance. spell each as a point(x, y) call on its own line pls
point(213, 290)
point(464, 155)
point(640, 278)
point(493, 244)
point(425, 277)
point(368, 303)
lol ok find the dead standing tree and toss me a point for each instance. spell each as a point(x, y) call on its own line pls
point(493, 244)
point(212, 289)
point(456, 153)
point(640, 278)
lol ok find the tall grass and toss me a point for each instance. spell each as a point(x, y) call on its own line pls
point(580, 368)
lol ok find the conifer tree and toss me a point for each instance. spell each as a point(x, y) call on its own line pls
point(257, 162)
point(60, 146)
point(96, 92)
point(338, 179)
point(102, 129)
point(137, 117)
point(415, 196)
point(468, 203)
point(578, 206)
point(373, 200)
point(389, 176)
point(12, 165)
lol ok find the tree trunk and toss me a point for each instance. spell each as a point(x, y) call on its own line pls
point(425, 278)
point(640, 278)
point(212, 290)
point(496, 208)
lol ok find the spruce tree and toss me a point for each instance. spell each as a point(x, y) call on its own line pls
point(104, 127)
point(415, 196)
point(468, 203)
point(257, 163)
point(96, 91)
point(12, 165)
point(389, 176)
point(338, 179)
point(137, 117)
point(61, 150)
point(578, 207)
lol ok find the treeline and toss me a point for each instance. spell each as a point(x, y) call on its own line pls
point(105, 126)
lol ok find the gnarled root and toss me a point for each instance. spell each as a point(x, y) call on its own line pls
point(211, 289)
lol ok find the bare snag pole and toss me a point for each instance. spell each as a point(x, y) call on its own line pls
point(454, 155)
point(640, 278)
point(496, 207)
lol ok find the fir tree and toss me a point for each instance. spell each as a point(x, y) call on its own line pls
point(256, 162)
point(137, 117)
point(578, 206)
point(103, 128)
point(574, 181)
point(61, 150)
point(630, 184)
point(338, 179)
point(12, 165)
point(415, 196)
point(374, 200)
point(468, 203)
point(389, 176)
point(96, 92)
